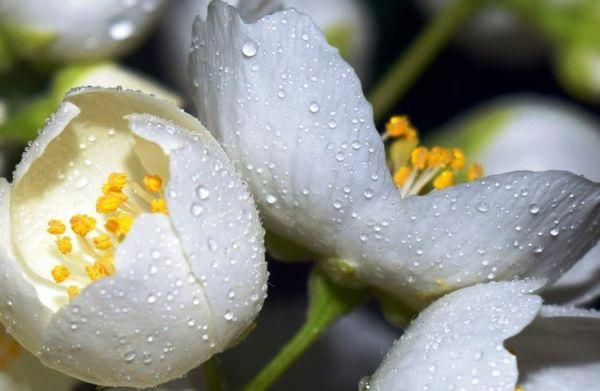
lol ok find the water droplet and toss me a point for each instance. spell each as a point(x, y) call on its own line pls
point(196, 210)
point(337, 204)
point(151, 299)
point(482, 207)
point(249, 48)
point(129, 356)
point(534, 209)
point(271, 199)
point(202, 192)
point(368, 194)
point(554, 232)
point(314, 107)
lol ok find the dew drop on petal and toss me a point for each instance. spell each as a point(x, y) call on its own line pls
point(249, 48)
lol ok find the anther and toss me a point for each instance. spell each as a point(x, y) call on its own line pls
point(158, 205)
point(419, 156)
point(64, 244)
point(82, 224)
point(72, 291)
point(153, 183)
point(400, 127)
point(102, 242)
point(56, 227)
point(474, 171)
point(445, 179)
point(402, 175)
point(60, 273)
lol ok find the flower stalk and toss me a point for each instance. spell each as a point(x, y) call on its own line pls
point(417, 57)
point(328, 302)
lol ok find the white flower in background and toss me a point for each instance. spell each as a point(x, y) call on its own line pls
point(347, 24)
point(495, 336)
point(536, 133)
point(495, 34)
point(131, 249)
point(291, 115)
point(22, 371)
point(2, 119)
point(517, 32)
point(73, 30)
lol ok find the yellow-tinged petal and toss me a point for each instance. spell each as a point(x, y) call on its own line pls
point(82, 224)
point(60, 273)
point(474, 171)
point(153, 183)
point(419, 156)
point(402, 175)
point(158, 205)
point(64, 244)
point(445, 179)
point(56, 227)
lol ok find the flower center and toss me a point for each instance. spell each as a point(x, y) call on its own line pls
point(9, 349)
point(88, 255)
point(417, 169)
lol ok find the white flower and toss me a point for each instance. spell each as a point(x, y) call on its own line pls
point(503, 136)
point(291, 115)
point(347, 24)
point(152, 295)
point(496, 34)
point(21, 371)
point(56, 30)
point(495, 336)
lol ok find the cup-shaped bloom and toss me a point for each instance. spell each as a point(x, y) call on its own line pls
point(494, 336)
point(131, 249)
point(536, 133)
point(291, 115)
point(59, 31)
point(347, 24)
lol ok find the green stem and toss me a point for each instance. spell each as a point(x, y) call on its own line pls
point(213, 375)
point(328, 302)
point(417, 57)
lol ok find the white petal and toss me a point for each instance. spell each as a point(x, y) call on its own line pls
point(147, 324)
point(81, 32)
point(560, 350)
point(291, 115)
point(579, 285)
point(457, 342)
point(20, 310)
point(215, 218)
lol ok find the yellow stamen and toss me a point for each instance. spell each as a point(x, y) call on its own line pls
point(56, 227)
point(108, 203)
point(474, 171)
point(445, 179)
point(153, 183)
point(117, 181)
point(402, 175)
point(103, 267)
point(64, 244)
point(399, 126)
point(72, 291)
point(459, 159)
point(439, 157)
point(119, 225)
point(102, 242)
point(418, 157)
point(519, 388)
point(60, 273)
point(82, 224)
point(158, 205)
